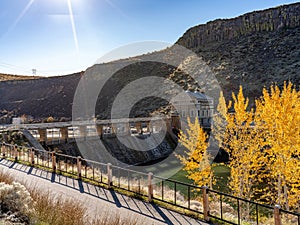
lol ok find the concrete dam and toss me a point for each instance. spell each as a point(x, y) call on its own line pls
point(135, 142)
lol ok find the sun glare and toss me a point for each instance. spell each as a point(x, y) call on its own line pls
point(68, 5)
point(73, 28)
point(24, 11)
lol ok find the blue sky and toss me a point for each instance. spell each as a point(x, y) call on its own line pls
point(41, 34)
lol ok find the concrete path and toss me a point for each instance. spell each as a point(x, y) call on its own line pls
point(97, 200)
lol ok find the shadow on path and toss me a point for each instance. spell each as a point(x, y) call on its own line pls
point(101, 193)
point(81, 188)
point(12, 165)
point(30, 170)
point(162, 214)
point(116, 199)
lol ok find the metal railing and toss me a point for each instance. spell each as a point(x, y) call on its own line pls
point(129, 180)
point(201, 200)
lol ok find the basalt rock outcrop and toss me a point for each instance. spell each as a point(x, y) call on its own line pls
point(254, 50)
point(274, 19)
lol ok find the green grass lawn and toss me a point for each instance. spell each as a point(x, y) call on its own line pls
point(221, 172)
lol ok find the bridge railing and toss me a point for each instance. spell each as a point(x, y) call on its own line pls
point(200, 200)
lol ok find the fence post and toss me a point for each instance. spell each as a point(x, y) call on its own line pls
point(277, 217)
point(205, 203)
point(79, 167)
point(3, 150)
point(16, 153)
point(53, 161)
point(20, 153)
point(32, 156)
point(150, 187)
point(109, 175)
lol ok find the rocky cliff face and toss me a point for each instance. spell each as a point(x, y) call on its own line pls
point(253, 50)
point(269, 20)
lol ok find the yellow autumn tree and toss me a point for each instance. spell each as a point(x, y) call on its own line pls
point(196, 159)
point(220, 120)
point(278, 116)
point(242, 142)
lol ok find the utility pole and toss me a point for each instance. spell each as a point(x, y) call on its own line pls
point(33, 72)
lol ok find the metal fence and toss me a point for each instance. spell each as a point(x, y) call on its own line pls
point(129, 180)
point(94, 171)
point(201, 200)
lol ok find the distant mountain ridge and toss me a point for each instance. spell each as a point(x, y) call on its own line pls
point(253, 50)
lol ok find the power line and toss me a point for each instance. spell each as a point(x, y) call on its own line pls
point(11, 65)
point(14, 67)
point(29, 71)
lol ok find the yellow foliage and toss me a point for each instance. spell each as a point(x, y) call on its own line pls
point(278, 115)
point(50, 119)
point(220, 120)
point(196, 158)
point(242, 142)
point(264, 146)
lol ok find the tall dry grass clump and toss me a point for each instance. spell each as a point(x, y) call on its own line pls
point(5, 177)
point(56, 211)
point(59, 211)
point(109, 218)
point(33, 206)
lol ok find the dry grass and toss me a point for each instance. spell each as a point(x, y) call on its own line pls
point(56, 211)
point(6, 178)
point(110, 218)
point(4, 77)
point(60, 211)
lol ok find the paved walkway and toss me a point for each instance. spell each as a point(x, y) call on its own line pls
point(97, 200)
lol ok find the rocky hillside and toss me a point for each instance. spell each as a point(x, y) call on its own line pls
point(39, 98)
point(253, 50)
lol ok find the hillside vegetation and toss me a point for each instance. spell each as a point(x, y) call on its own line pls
point(4, 77)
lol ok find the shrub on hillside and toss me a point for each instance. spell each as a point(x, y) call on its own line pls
point(15, 198)
point(6, 178)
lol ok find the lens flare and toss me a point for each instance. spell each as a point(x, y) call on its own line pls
point(73, 29)
point(21, 15)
